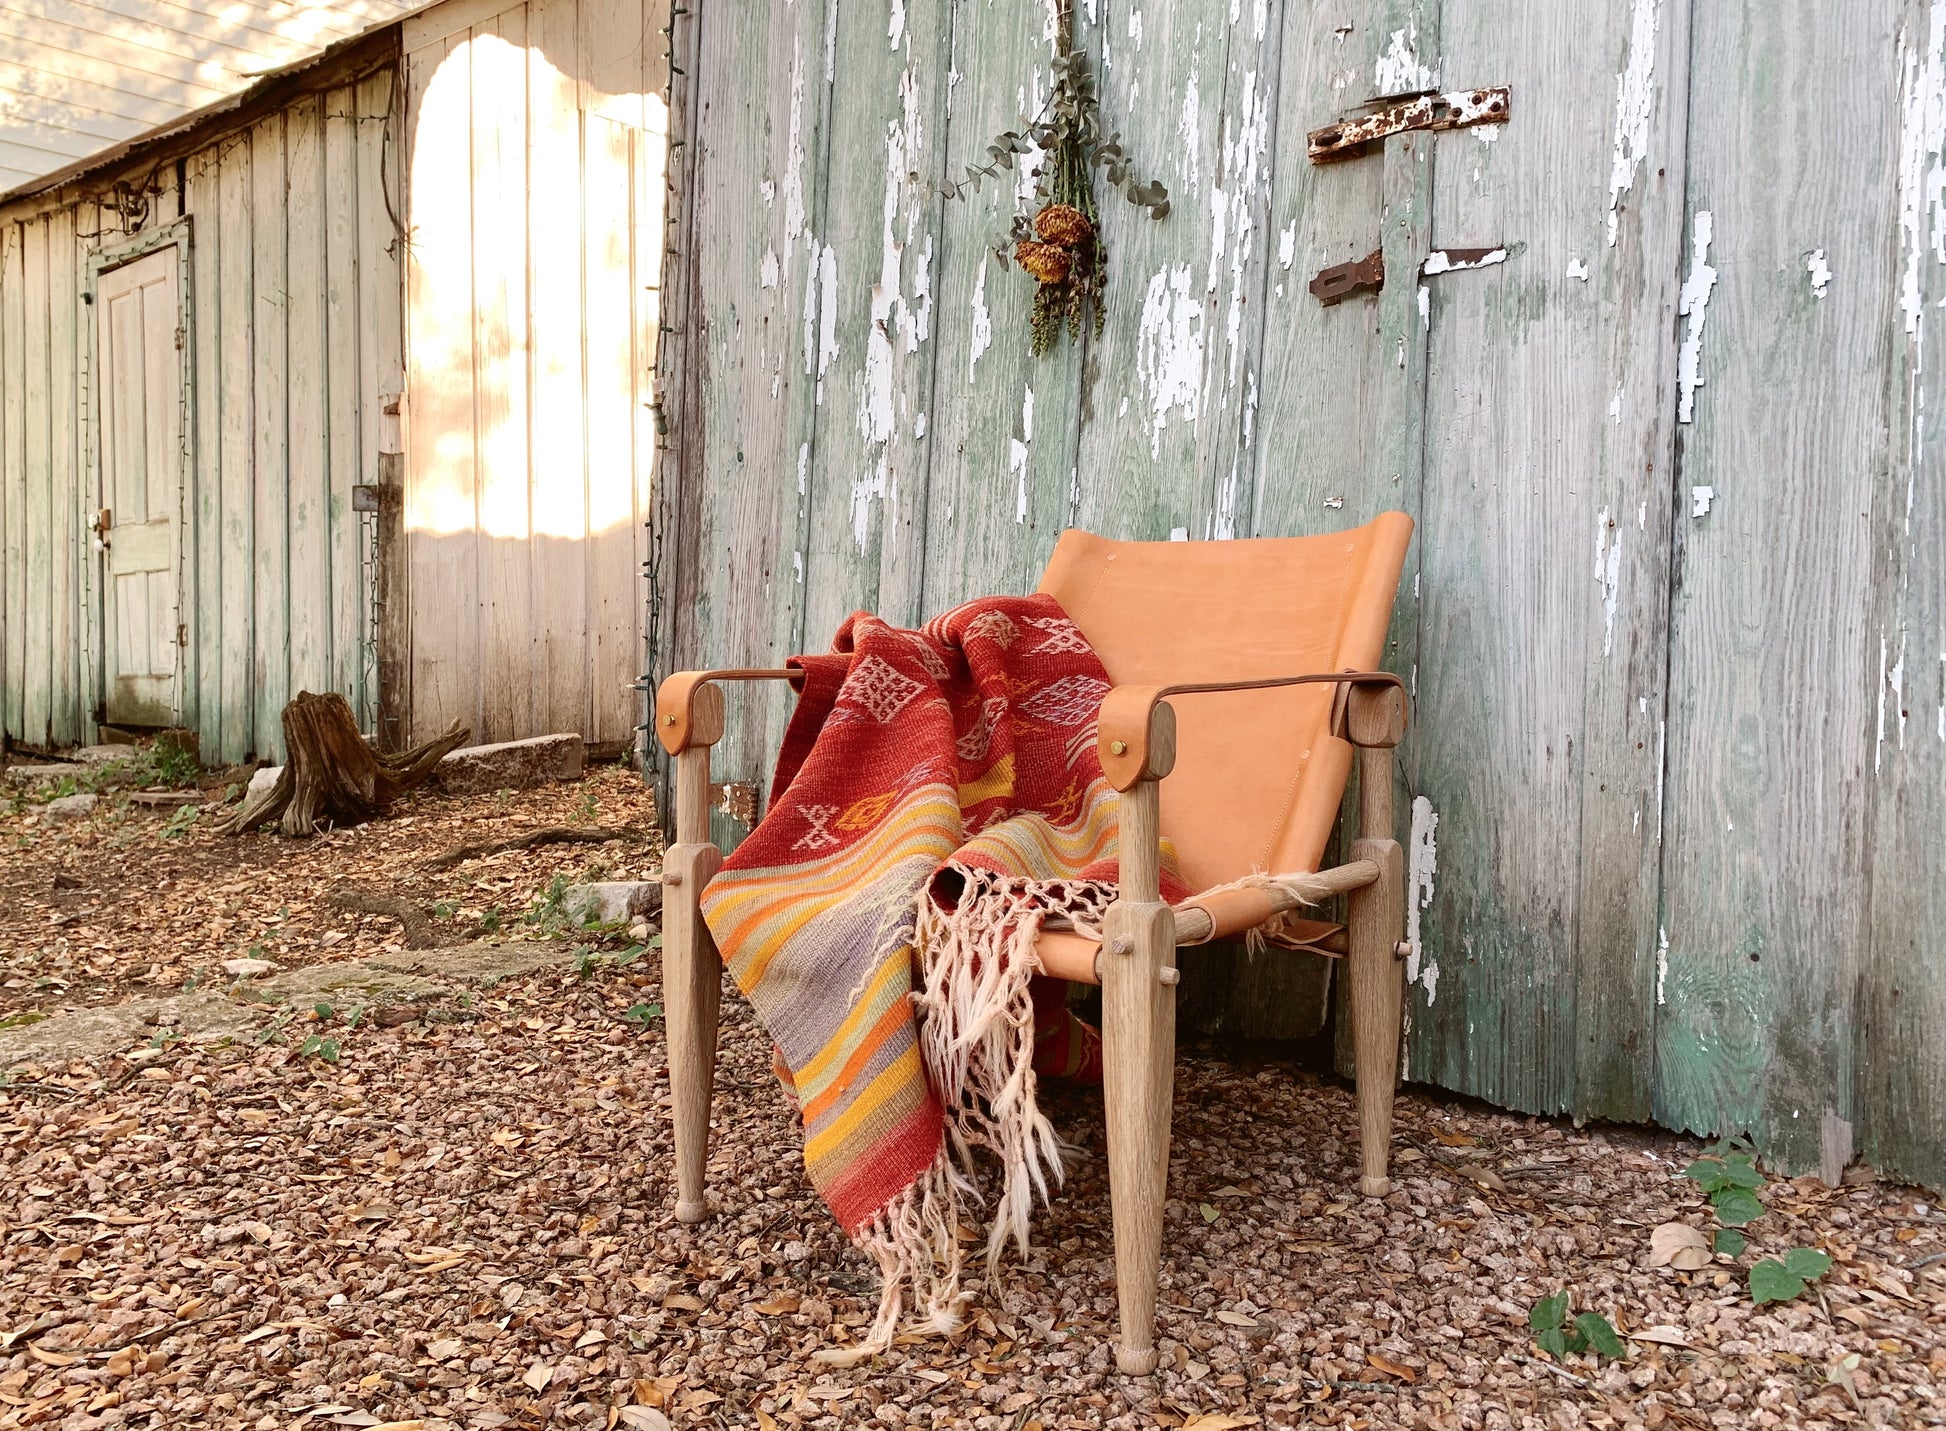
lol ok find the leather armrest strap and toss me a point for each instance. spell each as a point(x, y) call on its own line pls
point(689, 710)
point(1127, 713)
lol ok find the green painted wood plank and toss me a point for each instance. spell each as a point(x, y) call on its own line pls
point(343, 312)
point(1002, 423)
point(1627, 306)
point(1773, 663)
point(749, 270)
point(1166, 403)
point(308, 376)
point(270, 400)
point(1901, 1060)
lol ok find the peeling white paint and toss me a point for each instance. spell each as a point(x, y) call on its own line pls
point(1249, 409)
point(982, 327)
point(1576, 268)
point(1017, 465)
point(1922, 150)
point(1940, 728)
point(1820, 272)
point(803, 468)
point(1608, 576)
point(895, 31)
point(1422, 864)
point(1634, 103)
point(1223, 522)
point(1246, 143)
point(1179, 534)
point(1642, 517)
point(767, 273)
point(1615, 408)
point(1399, 70)
point(1169, 350)
point(1486, 134)
point(871, 485)
point(890, 313)
point(1425, 308)
point(1700, 499)
point(919, 427)
point(1661, 965)
point(1287, 244)
point(920, 311)
point(1694, 306)
point(1334, 503)
point(1661, 773)
point(1135, 29)
point(794, 156)
point(1892, 681)
point(797, 566)
point(1189, 130)
point(827, 313)
point(1440, 261)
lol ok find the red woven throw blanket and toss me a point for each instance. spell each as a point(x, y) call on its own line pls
point(937, 800)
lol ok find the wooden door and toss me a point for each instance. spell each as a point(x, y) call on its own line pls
point(139, 342)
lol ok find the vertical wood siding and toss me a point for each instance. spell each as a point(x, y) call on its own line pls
point(293, 336)
point(1675, 621)
point(536, 143)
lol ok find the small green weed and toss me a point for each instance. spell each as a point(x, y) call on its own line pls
point(1589, 1332)
point(178, 824)
point(318, 1046)
point(1730, 1177)
point(1780, 1280)
point(642, 1015)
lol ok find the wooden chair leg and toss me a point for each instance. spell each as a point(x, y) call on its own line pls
point(1138, 1082)
point(691, 991)
point(1377, 923)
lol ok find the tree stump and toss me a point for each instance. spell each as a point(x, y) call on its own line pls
point(332, 775)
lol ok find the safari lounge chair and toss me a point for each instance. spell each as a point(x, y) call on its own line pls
point(1246, 674)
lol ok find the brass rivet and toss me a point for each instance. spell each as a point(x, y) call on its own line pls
point(1118, 747)
point(669, 720)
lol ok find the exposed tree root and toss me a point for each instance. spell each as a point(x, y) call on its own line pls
point(420, 932)
point(550, 835)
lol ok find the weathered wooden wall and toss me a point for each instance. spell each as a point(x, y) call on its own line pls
point(1676, 616)
point(537, 135)
point(293, 335)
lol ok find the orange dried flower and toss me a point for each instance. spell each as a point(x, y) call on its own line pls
point(1063, 224)
point(1046, 261)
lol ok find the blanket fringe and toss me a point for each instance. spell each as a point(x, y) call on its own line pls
point(976, 1038)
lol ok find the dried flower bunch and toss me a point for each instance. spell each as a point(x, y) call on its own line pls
point(1059, 244)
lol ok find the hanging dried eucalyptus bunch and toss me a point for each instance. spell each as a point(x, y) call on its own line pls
point(1059, 243)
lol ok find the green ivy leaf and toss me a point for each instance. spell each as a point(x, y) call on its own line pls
point(1730, 1241)
point(1736, 1206)
point(1707, 1174)
point(1549, 1312)
point(1595, 1329)
point(1772, 1281)
point(1740, 1172)
point(1806, 1263)
point(1553, 1341)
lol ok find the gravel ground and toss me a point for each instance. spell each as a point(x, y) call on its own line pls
point(464, 1220)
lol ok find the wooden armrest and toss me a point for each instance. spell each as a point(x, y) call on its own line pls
point(689, 708)
point(1369, 710)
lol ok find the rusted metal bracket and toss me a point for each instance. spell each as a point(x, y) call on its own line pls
point(1456, 109)
point(1339, 282)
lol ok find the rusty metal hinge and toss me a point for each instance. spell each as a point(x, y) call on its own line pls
point(182, 633)
point(1339, 282)
point(1395, 114)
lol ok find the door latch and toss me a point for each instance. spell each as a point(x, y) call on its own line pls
point(99, 524)
point(1339, 282)
point(1395, 114)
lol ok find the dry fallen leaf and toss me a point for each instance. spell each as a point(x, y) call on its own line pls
point(1662, 1336)
point(51, 1358)
point(538, 1375)
point(1235, 1319)
point(1218, 1421)
point(647, 1418)
point(682, 1301)
point(779, 1305)
point(1678, 1245)
point(1392, 1368)
point(1485, 1177)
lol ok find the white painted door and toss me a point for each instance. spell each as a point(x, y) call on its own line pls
point(140, 398)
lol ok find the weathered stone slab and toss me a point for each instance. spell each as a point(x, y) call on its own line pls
point(612, 901)
point(32, 774)
point(261, 782)
point(510, 765)
point(70, 807)
point(165, 799)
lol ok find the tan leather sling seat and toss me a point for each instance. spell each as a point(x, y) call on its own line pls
point(1259, 775)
